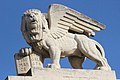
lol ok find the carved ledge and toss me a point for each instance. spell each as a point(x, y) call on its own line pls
point(66, 74)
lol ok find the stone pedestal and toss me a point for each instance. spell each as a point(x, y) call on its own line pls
point(66, 74)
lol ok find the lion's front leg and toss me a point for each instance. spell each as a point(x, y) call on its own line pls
point(55, 53)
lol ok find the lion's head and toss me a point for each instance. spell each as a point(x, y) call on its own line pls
point(33, 23)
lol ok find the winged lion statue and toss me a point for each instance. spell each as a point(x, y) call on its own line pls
point(62, 32)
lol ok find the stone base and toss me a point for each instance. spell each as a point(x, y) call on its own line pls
point(66, 74)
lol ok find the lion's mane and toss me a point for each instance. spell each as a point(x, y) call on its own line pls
point(24, 29)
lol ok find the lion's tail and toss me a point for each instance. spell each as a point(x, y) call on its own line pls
point(100, 48)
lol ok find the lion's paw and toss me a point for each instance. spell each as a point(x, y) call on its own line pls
point(25, 51)
point(53, 66)
point(103, 68)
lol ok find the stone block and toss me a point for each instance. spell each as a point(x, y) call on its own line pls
point(66, 74)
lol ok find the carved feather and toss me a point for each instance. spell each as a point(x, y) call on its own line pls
point(63, 19)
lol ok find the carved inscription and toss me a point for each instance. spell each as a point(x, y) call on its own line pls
point(35, 60)
point(25, 63)
point(22, 64)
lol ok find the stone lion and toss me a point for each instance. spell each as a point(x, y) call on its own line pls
point(45, 42)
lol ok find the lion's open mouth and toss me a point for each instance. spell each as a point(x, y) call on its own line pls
point(34, 21)
point(33, 25)
point(34, 36)
point(34, 31)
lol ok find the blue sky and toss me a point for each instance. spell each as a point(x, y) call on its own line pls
point(104, 11)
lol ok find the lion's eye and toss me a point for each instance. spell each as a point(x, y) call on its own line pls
point(28, 15)
point(36, 13)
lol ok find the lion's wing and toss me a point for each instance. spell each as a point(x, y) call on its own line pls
point(63, 19)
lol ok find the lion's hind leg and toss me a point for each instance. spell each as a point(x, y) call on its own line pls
point(89, 49)
point(94, 54)
point(76, 62)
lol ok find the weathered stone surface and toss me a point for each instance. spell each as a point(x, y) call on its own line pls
point(65, 33)
point(66, 74)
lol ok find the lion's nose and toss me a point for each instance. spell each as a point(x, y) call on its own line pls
point(31, 15)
